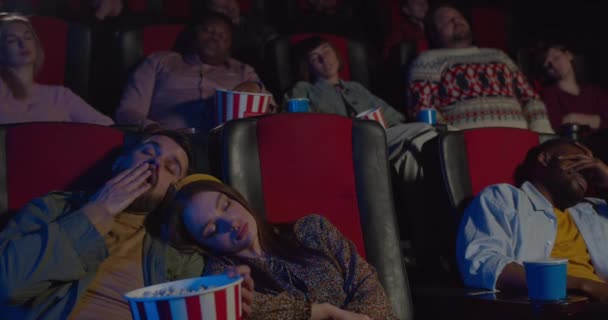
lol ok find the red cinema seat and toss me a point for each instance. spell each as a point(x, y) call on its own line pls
point(291, 165)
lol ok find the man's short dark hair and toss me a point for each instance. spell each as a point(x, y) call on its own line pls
point(525, 171)
point(185, 39)
point(539, 56)
point(133, 141)
point(206, 16)
point(300, 52)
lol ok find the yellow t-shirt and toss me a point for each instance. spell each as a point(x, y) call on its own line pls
point(119, 273)
point(569, 244)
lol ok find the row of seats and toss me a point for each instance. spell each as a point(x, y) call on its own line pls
point(69, 49)
point(490, 25)
point(95, 65)
point(296, 181)
point(339, 170)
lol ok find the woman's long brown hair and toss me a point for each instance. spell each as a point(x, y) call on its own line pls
point(275, 239)
point(12, 81)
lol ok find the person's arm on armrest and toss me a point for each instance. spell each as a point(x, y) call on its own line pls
point(363, 289)
point(392, 116)
point(513, 276)
point(485, 239)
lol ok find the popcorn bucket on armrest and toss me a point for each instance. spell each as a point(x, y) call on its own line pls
point(231, 105)
point(373, 114)
point(212, 297)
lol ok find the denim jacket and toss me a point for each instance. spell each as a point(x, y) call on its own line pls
point(505, 224)
point(50, 252)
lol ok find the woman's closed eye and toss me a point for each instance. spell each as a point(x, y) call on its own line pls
point(10, 39)
point(216, 227)
point(226, 204)
point(148, 150)
point(210, 230)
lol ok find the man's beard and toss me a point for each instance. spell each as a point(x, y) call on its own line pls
point(462, 37)
point(147, 203)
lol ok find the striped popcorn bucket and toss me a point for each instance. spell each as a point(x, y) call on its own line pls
point(373, 114)
point(205, 298)
point(231, 105)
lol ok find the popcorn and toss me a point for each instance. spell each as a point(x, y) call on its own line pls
point(173, 291)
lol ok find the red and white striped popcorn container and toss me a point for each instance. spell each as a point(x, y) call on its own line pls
point(373, 114)
point(205, 298)
point(231, 105)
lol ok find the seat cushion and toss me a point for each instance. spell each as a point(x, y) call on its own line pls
point(160, 37)
point(494, 153)
point(53, 34)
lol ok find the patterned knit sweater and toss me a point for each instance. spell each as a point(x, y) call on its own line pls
point(473, 87)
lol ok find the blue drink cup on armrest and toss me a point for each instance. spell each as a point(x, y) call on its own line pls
point(546, 279)
point(297, 105)
point(427, 116)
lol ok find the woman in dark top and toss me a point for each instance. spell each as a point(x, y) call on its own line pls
point(306, 270)
point(567, 100)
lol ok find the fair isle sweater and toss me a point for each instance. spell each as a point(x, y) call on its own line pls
point(473, 88)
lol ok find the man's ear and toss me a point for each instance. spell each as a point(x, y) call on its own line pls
point(543, 159)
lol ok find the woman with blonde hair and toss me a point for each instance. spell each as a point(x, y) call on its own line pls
point(304, 270)
point(21, 98)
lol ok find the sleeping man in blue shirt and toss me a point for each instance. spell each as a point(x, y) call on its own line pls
point(548, 216)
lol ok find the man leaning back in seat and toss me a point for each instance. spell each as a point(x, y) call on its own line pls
point(548, 216)
point(72, 256)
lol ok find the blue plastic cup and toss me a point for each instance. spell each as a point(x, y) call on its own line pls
point(427, 116)
point(546, 279)
point(297, 105)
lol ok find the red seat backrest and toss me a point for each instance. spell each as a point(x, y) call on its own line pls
point(494, 153)
point(396, 15)
point(246, 7)
point(53, 34)
point(488, 26)
point(137, 6)
point(42, 157)
point(308, 171)
point(177, 8)
point(340, 43)
point(160, 37)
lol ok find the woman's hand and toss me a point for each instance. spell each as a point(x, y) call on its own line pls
point(247, 287)
point(326, 311)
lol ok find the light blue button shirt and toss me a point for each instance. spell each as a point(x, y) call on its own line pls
point(505, 224)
